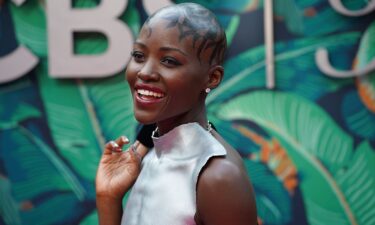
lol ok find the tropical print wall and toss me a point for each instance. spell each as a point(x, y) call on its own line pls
point(308, 144)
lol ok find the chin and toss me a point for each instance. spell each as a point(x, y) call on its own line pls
point(144, 119)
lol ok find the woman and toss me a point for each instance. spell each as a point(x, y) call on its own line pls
point(191, 176)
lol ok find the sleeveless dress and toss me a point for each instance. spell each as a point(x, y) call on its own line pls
point(165, 191)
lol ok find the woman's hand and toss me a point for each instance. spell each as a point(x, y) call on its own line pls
point(118, 169)
point(117, 172)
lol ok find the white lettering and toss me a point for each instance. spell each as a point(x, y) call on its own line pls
point(322, 61)
point(16, 64)
point(18, 2)
point(321, 55)
point(152, 6)
point(339, 7)
point(63, 21)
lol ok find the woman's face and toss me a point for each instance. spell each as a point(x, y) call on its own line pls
point(166, 77)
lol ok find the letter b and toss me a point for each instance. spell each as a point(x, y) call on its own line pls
point(63, 21)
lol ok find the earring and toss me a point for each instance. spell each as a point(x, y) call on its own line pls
point(208, 90)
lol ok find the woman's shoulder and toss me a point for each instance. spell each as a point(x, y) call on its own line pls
point(224, 186)
point(228, 169)
point(232, 160)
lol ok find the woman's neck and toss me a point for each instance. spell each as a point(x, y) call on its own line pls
point(166, 125)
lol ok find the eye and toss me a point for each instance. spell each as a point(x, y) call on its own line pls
point(138, 56)
point(170, 62)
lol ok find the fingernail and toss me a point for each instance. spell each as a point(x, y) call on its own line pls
point(124, 139)
point(114, 144)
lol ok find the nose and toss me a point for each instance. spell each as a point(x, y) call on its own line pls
point(148, 72)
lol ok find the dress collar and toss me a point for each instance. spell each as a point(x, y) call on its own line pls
point(185, 141)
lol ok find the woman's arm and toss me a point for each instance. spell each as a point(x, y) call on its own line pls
point(225, 195)
point(109, 210)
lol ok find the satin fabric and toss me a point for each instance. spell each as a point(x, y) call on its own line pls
point(165, 191)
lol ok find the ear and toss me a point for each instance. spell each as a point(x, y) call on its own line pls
point(216, 74)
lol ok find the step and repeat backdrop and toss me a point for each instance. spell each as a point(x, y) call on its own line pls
point(308, 143)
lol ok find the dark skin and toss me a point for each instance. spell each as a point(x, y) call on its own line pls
point(116, 174)
point(174, 61)
point(168, 65)
point(224, 191)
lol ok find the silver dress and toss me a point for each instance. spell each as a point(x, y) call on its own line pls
point(165, 191)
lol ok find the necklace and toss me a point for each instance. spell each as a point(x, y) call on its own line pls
point(208, 128)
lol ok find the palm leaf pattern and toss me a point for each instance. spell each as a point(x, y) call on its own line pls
point(318, 147)
point(32, 166)
point(45, 166)
point(308, 146)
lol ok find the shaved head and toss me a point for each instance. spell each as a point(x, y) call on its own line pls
point(195, 22)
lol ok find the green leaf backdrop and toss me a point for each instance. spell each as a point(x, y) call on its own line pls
point(308, 145)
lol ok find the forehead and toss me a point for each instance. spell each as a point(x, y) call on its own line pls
point(158, 32)
point(193, 30)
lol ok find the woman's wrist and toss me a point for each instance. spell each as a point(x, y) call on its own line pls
point(109, 197)
point(109, 210)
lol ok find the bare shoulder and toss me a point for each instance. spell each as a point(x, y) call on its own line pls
point(224, 191)
point(225, 170)
point(221, 170)
point(229, 168)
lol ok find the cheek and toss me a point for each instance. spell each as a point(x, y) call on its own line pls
point(186, 89)
point(130, 74)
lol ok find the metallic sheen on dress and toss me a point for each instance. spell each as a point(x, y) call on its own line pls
point(165, 191)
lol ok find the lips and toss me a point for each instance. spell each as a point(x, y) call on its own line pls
point(146, 94)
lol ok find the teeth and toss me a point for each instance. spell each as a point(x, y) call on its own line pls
point(150, 93)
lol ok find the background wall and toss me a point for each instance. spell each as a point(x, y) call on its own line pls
point(308, 144)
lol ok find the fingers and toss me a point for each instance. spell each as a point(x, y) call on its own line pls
point(136, 149)
point(142, 150)
point(121, 141)
point(110, 147)
point(139, 149)
point(115, 146)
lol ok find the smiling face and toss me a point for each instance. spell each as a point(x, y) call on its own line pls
point(173, 62)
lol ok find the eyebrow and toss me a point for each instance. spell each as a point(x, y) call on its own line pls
point(140, 43)
point(173, 49)
point(162, 48)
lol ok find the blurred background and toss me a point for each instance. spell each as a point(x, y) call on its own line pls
point(308, 144)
